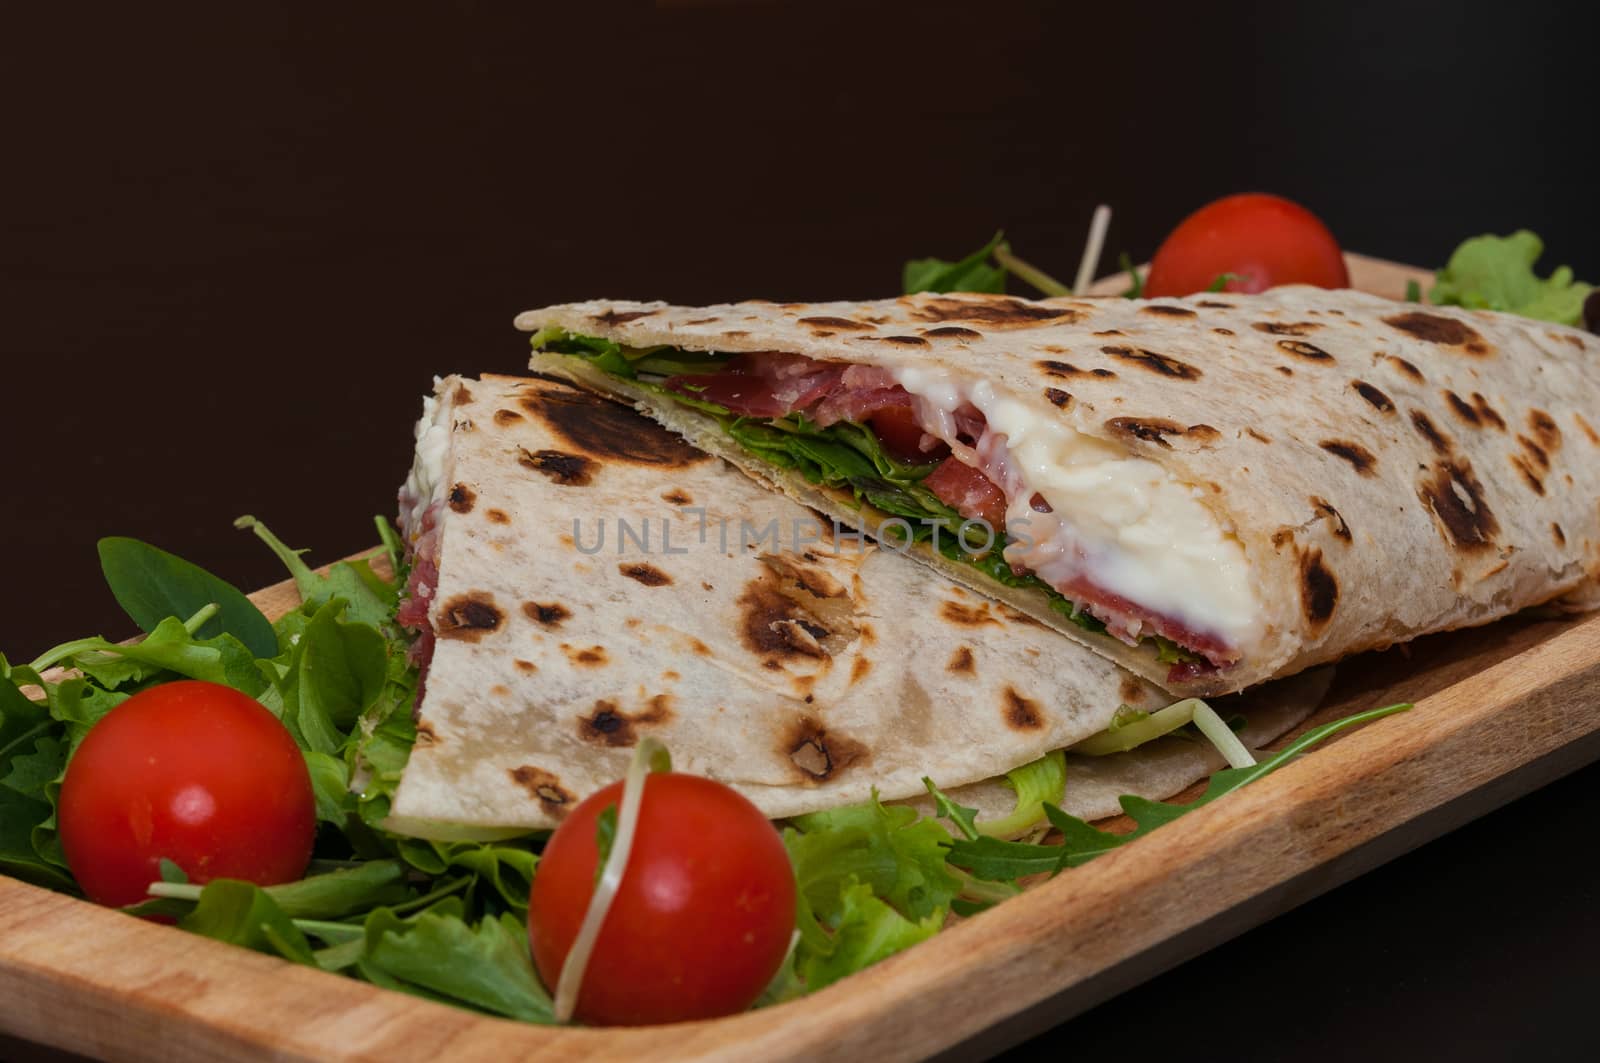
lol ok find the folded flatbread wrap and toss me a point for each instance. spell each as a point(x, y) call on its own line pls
point(1211, 491)
point(581, 577)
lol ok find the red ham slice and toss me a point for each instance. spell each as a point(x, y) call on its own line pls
point(969, 492)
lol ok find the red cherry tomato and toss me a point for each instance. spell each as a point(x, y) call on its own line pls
point(702, 918)
point(1266, 240)
point(196, 773)
point(897, 429)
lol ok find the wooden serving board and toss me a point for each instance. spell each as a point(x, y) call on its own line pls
point(1500, 710)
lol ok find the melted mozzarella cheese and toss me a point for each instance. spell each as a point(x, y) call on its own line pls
point(1119, 520)
point(426, 477)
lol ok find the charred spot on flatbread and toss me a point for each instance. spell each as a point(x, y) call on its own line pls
point(677, 496)
point(1220, 331)
point(1464, 410)
point(1104, 332)
point(568, 470)
point(1020, 713)
point(545, 787)
point(818, 753)
point(599, 430)
point(1160, 431)
point(834, 323)
point(586, 656)
point(546, 614)
point(616, 317)
point(1360, 458)
point(775, 625)
point(858, 670)
point(1325, 510)
point(962, 662)
point(1067, 371)
point(1058, 398)
point(1534, 451)
point(1301, 349)
point(1214, 304)
point(1445, 331)
point(1455, 497)
point(1319, 590)
point(904, 341)
point(1557, 534)
point(953, 332)
point(1487, 414)
point(462, 396)
point(1257, 436)
point(505, 417)
point(1286, 328)
point(1544, 429)
point(1406, 367)
point(426, 735)
point(608, 725)
point(1162, 310)
point(1587, 429)
point(1131, 689)
point(461, 498)
point(1530, 476)
point(525, 667)
point(468, 617)
point(1379, 401)
point(1441, 443)
point(994, 311)
point(645, 573)
point(977, 615)
point(1160, 364)
point(497, 516)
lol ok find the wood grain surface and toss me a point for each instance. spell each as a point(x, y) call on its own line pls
point(1514, 700)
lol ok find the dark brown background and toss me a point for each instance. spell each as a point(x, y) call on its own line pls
point(236, 244)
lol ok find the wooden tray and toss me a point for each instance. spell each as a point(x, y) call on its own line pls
point(1500, 711)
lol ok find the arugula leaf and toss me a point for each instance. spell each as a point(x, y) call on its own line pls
point(1413, 291)
point(152, 585)
point(1496, 273)
point(370, 599)
point(440, 956)
point(989, 858)
point(1135, 289)
point(964, 818)
point(971, 274)
point(1222, 281)
point(242, 913)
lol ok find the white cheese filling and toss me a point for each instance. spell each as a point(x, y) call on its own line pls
point(424, 480)
point(1116, 520)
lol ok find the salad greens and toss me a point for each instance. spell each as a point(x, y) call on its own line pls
point(1496, 273)
point(440, 920)
point(446, 921)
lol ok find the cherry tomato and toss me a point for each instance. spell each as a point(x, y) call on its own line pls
point(897, 429)
point(701, 920)
point(1266, 240)
point(196, 773)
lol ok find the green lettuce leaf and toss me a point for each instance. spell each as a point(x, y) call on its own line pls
point(1496, 273)
point(975, 273)
point(871, 879)
point(439, 955)
point(1002, 861)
